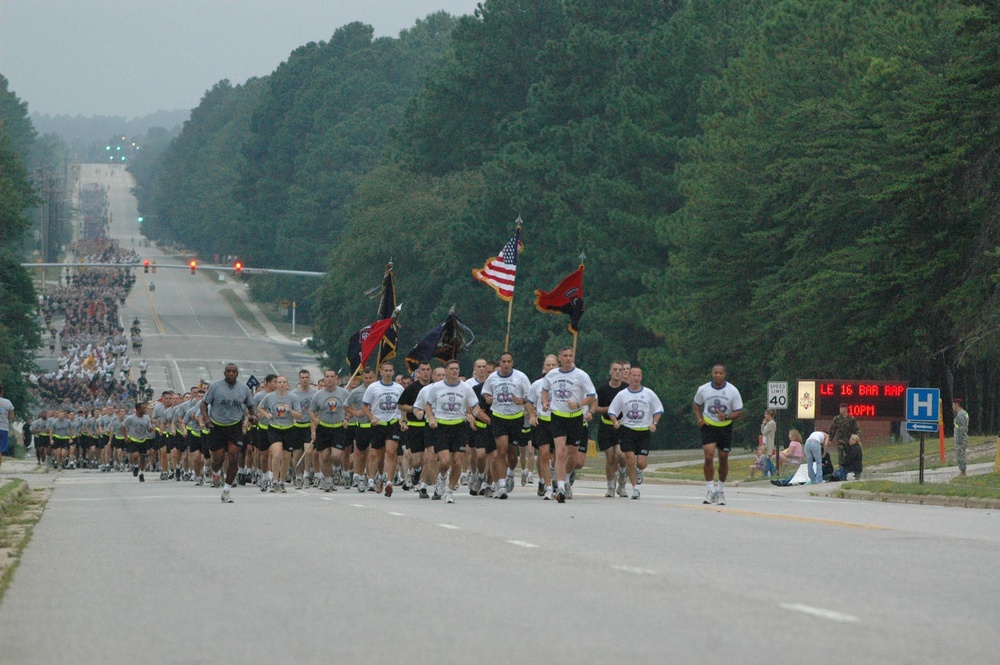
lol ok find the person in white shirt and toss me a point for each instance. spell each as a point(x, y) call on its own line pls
point(566, 391)
point(717, 404)
point(635, 411)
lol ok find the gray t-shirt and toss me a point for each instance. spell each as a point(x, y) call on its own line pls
point(6, 408)
point(138, 428)
point(305, 399)
point(281, 407)
point(227, 404)
point(328, 405)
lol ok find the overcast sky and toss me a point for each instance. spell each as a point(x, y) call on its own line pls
point(133, 57)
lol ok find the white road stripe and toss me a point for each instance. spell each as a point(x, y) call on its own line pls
point(397, 514)
point(448, 526)
point(819, 612)
point(358, 505)
point(635, 570)
point(521, 543)
point(326, 498)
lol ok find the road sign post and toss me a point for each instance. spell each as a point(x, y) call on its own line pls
point(923, 410)
point(777, 394)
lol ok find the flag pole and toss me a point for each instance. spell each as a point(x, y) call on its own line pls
point(510, 311)
point(510, 303)
point(576, 333)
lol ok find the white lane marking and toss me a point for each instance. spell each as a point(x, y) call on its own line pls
point(448, 526)
point(397, 514)
point(819, 612)
point(148, 497)
point(326, 498)
point(358, 505)
point(635, 570)
point(521, 543)
point(237, 322)
point(178, 368)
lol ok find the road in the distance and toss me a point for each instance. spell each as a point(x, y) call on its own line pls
point(189, 331)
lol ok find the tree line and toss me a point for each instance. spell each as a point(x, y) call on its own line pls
point(796, 188)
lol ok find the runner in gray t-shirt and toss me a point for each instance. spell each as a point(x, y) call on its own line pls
point(223, 408)
point(138, 429)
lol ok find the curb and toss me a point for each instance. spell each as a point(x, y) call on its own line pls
point(928, 500)
point(21, 489)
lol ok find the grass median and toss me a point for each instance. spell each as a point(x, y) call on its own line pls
point(241, 309)
point(20, 510)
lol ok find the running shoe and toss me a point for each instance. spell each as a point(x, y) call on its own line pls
point(547, 494)
point(710, 497)
point(720, 498)
point(199, 481)
point(422, 493)
point(569, 491)
point(225, 496)
point(572, 477)
point(436, 497)
point(142, 478)
point(611, 491)
point(635, 493)
point(501, 492)
point(275, 487)
point(135, 472)
point(524, 477)
point(510, 483)
point(638, 476)
point(361, 486)
point(620, 487)
point(449, 497)
point(388, 490)
point(561, 496)
point(299, 484)
point(541, 488)
point(463, 479)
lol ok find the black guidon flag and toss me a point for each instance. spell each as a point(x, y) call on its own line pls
point(567, 298)
point(386, 310)
point(443, 342)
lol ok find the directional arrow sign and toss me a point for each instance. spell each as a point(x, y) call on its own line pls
point(921, 427)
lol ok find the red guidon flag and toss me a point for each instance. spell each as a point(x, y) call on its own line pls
point(498, 272)
point(567, 298)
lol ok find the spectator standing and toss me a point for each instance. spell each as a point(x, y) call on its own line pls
point(961, 434)
point(844, 425)
point(6, 415)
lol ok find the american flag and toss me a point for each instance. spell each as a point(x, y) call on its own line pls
point(498, 272)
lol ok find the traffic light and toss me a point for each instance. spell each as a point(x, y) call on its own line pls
point(145, 266)
point(238, 267)
point(194, 267)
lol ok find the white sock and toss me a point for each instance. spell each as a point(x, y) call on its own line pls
point(226, 487)
point(710, 485)
point(722, 486)
point(561, 485)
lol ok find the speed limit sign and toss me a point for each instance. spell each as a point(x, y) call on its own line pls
point(777, 395)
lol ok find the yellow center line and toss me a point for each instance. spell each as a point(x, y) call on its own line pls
point(152, 307)
point(788, 518)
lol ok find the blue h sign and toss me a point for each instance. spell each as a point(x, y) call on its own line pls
point(922, 404)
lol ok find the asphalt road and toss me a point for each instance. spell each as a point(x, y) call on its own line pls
point(163, 572)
